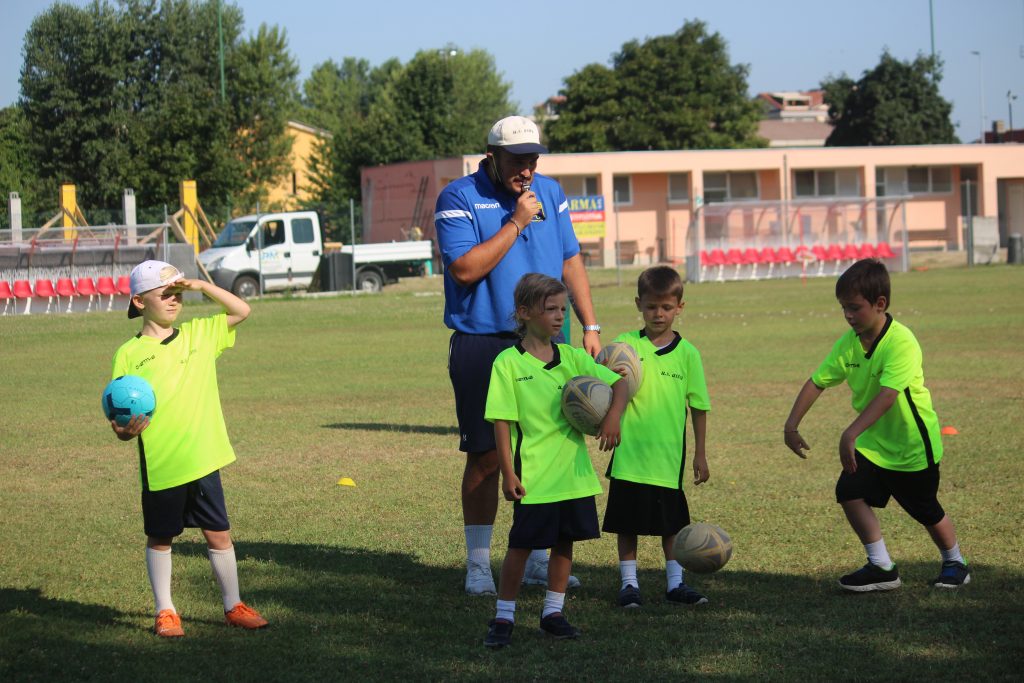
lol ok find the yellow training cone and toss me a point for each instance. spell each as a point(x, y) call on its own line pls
point(346, 481)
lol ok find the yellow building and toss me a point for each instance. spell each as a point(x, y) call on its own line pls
point(294, 186)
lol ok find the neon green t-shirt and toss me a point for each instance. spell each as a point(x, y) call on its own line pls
point(186, 438)
point(654, 425)
point(906, 438)
point(549, 456)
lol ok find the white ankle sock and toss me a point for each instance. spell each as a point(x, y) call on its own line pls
point(627, 569)
point(478, 543)
point(225, 570)
point(953, 554)
point(878, 555)
point(506, 610)
point(673, 574)
point(158, 566)
point(553, 602)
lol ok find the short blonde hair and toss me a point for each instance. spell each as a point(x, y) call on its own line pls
point(532, 290)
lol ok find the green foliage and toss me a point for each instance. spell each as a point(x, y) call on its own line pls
point(439, 104)
point(365, 583)
point(896, 103)
point(129, 96)
point(17, 172)
point(669, 92)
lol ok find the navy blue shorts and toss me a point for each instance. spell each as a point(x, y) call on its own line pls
point(470, 357)
point(916, 492)
point(544, 525)
point(644, 509)
point(198, 504)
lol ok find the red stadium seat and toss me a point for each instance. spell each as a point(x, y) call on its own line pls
point(884, 251)
point(851, 253)
point(717, 258)
point(734, 257)
point(867, 250)
point(105, 285)
point(86, 287)
point(45, 288)
point(769, 256)
point(6, 294)
point(66, 289)
point(835, 255)
point(23, 290)
point(784, 255)
point(752, 258)
point(124, 285)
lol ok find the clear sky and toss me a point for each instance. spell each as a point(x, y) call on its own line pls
point(788, 44)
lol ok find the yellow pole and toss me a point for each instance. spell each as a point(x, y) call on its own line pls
point(68, 209)
point(190, 202)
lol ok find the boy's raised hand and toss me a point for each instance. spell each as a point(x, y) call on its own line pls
point(796, 443)
point(131, 430)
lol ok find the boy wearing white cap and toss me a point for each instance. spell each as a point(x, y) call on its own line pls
point(493, 227)
point(185, 444)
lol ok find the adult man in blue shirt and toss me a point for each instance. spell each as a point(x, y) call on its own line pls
point(493, 227)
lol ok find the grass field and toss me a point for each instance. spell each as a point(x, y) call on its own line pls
point(367, 581)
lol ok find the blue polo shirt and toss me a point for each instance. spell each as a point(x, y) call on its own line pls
point(470, 211)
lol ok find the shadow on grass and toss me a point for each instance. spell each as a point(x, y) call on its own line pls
point(339, 613)
point(386, 427)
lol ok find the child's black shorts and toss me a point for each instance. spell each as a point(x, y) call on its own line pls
point(197, 504)
point(543, 525)
point(644, 509)
point(916, 492)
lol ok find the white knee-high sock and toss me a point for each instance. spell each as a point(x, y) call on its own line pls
point(225, 569)
point(158, 566)
point(553, 603)
point(478, 543)
point(878, 555)
point(953, 554)
point(673, 574)
point(506, 609)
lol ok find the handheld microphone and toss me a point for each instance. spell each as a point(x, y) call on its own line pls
point(540, 215)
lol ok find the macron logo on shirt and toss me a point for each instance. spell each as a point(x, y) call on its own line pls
point(493, 205)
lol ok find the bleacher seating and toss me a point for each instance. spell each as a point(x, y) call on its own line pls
point(6, 294)
point(812, 260)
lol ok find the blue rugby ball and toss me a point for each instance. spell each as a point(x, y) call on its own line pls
point(126, 396)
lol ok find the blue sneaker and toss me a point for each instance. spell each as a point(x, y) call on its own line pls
point(871, 577)
point(954, 574)
point(499, 633)
point(684, 595)
point(629, 597)
point(556, 626)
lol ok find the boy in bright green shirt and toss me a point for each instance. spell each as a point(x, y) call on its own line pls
point(184, 445)
point(645, 497)
point(893, 447)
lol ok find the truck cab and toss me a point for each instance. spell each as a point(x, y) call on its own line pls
point(282, 249)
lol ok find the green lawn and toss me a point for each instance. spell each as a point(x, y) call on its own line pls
point(367, 581)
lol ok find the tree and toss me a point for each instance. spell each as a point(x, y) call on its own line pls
point(17, 173)
point(669, 92)
point(896, 103)
point(439, 104)
point(128, 96)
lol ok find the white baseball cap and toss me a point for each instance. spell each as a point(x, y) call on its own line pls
point(150, 275)
point(517, 134)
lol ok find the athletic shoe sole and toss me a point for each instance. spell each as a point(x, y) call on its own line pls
point(867, 588)
point(953, 586)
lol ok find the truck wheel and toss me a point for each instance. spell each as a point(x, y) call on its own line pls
point(369, 281)
point(245, 287)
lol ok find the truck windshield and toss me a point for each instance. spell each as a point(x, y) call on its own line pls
point(234, 233)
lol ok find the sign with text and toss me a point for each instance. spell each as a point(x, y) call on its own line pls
point(587, 215)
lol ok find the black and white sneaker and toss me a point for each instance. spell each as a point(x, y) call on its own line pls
point(684, 595)
point(954, 574)
point(629, 597)
point(499, 633)
point(871, 577)
point(556, 626)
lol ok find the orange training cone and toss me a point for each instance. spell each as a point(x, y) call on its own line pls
point(949, 430)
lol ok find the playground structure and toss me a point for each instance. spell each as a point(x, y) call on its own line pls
point(67, 265)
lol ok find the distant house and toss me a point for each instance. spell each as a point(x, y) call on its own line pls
point(293, 188)
point(794, 118)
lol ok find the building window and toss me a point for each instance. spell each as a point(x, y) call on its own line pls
point(843, 182)
point(679, 187)
point(579, 185)
point(731, 186)
point(917, 179)
point(622, 189)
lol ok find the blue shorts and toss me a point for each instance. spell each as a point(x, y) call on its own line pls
point(470, 357)
point(544, 525)
point(198, 504)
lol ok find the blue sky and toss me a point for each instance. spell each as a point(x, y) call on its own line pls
point(788, 44)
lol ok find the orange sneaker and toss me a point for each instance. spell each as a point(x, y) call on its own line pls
point(168, 624)
point(243, 616)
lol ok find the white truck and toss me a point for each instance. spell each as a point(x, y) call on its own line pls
point(285, 249)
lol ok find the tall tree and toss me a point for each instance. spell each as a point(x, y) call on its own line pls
point(17, 172)
point(896, 103)
point(669, 92)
